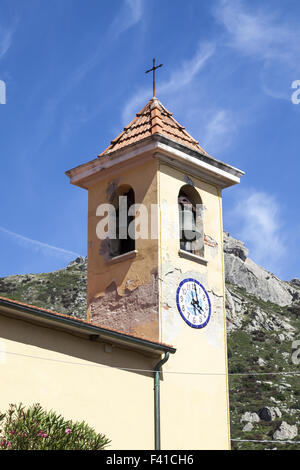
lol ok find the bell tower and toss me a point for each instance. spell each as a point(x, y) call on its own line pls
point(155, 264)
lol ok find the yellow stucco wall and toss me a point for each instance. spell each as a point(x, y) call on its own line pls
point(194, 389)
point(134, 279)
point(69, 375)
point(143, 180)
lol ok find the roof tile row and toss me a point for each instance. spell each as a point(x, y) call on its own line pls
point(152, 119)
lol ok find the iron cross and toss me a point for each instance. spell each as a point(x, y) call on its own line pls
point(153, 70)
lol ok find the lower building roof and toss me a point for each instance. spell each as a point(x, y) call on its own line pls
point(61, 321)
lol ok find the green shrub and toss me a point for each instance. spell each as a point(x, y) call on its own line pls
point(279, 396)
point(36, 429)
point(238, 368)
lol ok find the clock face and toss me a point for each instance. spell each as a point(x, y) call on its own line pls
point(193, 303)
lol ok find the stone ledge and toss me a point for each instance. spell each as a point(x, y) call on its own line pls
point(192, 257)
point(123, 257)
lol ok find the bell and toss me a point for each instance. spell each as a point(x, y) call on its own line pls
point(187, 224)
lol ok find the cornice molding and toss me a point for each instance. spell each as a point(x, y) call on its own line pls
point(157, 146)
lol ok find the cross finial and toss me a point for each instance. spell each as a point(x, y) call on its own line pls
point(153, 70)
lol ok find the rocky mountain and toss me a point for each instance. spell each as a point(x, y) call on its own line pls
point(243, 272)
point(263, 325)
point(63, 291)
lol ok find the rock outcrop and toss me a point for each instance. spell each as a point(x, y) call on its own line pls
point(285, 432)
point(243, 272)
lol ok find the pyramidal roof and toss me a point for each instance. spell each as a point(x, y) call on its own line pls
point(154, 118)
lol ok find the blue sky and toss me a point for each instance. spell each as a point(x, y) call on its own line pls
point(74, 74)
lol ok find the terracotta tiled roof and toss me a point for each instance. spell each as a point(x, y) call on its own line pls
point(154, 118)
point(79, 321)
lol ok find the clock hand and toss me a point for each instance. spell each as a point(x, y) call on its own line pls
point(195, 292)
point(195, 303)
point(197, 298)
point(195, 289)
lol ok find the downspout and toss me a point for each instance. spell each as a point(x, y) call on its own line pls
point(157, 400)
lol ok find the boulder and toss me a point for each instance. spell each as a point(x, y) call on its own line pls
point(249, 417)
point(261, 362)
point(269, 413)
point(248, 427)
point(285, 432)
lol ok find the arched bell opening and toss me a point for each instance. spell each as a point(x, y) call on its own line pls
point(191, 220)
point(123, 200)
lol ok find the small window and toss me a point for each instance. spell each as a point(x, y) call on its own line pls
point(123, 242)
point(191, 221)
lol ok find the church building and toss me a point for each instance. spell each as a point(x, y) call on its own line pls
point(148, 367)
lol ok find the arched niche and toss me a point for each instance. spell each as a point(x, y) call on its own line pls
point(124, 198)
point(191, 220)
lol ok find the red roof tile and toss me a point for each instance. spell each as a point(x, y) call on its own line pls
point(154, 118)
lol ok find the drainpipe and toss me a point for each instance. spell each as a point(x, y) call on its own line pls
point(157, 400)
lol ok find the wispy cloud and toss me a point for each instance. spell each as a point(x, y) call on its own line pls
point(219, 130)
point(179, 79)
point(189, 69)
point(259, 220)
point(6, 35)
point(262, 34)
point(130, 14)
point(45, 248)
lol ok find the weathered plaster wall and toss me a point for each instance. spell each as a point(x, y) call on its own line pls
point(124, 295)
point(135, 311)
point(193, 398)
point(69, 374)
